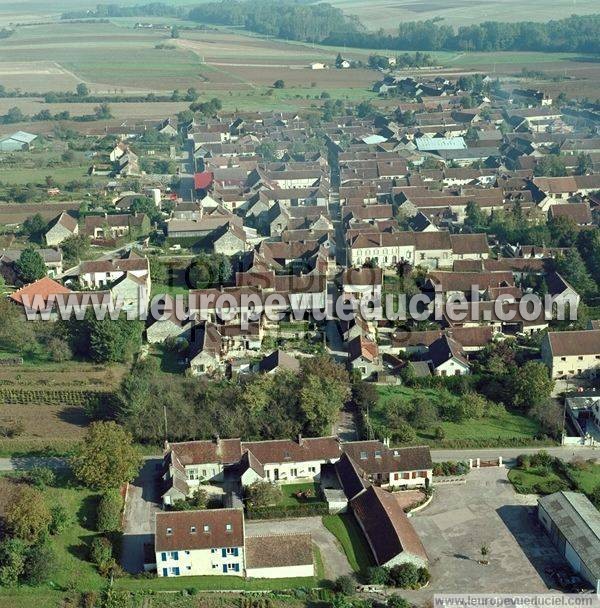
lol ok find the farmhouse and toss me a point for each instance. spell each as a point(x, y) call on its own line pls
point(214, 542)
point(60, 229)
point(572, 353)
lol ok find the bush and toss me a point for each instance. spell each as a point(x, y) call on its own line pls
point(424, 576)
point(101, 554)
point(264, 494)
point(549, 486)
point(523, 461)
point(345, 585)
point(395, 601)
point(109, 512)
point(288, 511)
point(40, 564)
point(378, 575)
point(60, 519)
point(405, 576)
point(41, 477)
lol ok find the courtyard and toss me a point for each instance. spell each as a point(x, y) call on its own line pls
point(484, 511)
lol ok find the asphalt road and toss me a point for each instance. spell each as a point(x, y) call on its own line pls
point(508, 454)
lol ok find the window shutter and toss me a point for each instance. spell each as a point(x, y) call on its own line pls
point(224, 552)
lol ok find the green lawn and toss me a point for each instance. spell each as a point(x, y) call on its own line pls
point(345, 528)
point(289, 491)
point(213, 583)
point(587, 476)
point(60, 175)
point(530, 481)
point(507, 425)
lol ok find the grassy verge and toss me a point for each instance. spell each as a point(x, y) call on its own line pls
point(213, 583)
point(349, 535)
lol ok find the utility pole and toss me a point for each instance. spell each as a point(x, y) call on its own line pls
point(165, 416)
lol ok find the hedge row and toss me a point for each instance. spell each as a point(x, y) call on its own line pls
point(20, 396)
point(288, 511)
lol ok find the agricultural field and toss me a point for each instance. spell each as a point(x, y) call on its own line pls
point(56, 417)
point(377, 14)
point(15, 213)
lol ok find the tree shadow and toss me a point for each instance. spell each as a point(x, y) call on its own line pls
point(86, 514)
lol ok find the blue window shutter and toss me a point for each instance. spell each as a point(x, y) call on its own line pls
point(165, 572)
point(163, 557)
point(225, 568)
point(175, 555)
point(236, 551)
point(224, 552)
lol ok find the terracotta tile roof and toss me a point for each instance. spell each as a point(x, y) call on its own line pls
point(114, 265)
point(286, 450)
point(571, 343)
point(362, 347)
point(226, 451)
point(386, 526)
point(373, 457)
point(279, 360)
point(464, 281)
point(580, 213)
point(279, 551)
point(45, 289)
point(362, 276)
point(469, 243)
point(225, 528)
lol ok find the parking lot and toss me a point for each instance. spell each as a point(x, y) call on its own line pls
point(484, 511)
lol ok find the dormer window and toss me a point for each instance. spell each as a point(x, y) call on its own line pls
point(286, 455)
point(363, 455)
point(192, 529)
point(396, 453)
point(228, 527)
point(377, 454)
point(169, 531)
point(206, 528)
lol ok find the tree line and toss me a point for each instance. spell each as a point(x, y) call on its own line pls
point(572, 34)
point(331, 26)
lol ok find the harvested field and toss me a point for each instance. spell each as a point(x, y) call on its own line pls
point(16, 213)
point(386, 14)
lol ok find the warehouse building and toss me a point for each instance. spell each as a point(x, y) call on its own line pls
point(573, 524)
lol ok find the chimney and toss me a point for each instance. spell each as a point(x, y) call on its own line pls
point(300, 439)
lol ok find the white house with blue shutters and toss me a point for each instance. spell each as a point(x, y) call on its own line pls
point(196, 543)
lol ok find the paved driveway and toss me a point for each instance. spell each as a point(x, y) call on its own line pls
point(484, 510)
point(334, 558)
point(138, 528)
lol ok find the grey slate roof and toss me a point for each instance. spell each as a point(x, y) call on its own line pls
point(579, 521)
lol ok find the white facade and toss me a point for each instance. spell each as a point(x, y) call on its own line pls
point(202, 562)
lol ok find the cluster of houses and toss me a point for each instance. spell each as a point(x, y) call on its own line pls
point(359, 477)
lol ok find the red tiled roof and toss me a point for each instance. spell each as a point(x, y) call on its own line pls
point(44, 288)
point(182, 535)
